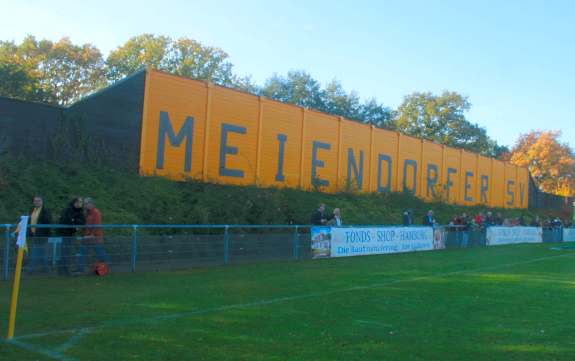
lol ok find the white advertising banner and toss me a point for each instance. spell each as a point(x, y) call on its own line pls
point(379, 240)
point(568, 234)
point(509, 235)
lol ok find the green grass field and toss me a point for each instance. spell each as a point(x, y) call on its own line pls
point(498, 303)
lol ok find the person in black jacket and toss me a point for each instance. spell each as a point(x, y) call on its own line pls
point(39, 214)
point(318, 218)
point(489, 219)
point(407, 218)
point(73, 215)
point(428, 220)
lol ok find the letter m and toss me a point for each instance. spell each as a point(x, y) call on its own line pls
point(186, 132)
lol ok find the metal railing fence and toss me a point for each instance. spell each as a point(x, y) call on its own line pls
point(132, 247)
point(128, 248)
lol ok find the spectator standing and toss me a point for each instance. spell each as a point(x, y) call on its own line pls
point(407, 218)
point(428, 220)
point(335, 219)
point(73, 215)
point(557, 230)
point(480, 220)
point(456, 222)
point(489, 220)
point(39, 214)
point(318, 217)
point(556, 223)
point(465, 220)
point(464, 230)
point(93, 236)
point(499, 220)
point(522, 221)
point(535, 222)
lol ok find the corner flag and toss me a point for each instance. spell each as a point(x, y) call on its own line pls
point(21, 243)
point(22, 229)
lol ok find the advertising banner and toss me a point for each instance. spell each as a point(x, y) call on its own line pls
point(379, 240)
point(509, 235)
point(568, 234)
point(320, 242)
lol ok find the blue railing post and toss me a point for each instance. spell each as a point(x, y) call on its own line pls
point(134, 247)
point(226, 244)
point(6, 254)
point(296, 243)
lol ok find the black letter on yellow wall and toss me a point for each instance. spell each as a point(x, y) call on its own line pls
point(484, 188)
point(186, 132)
point(431, 181)
point(352, 167)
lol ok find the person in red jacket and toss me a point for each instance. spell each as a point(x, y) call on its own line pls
point(480, 219)
point(93, 217)
point(93, 236)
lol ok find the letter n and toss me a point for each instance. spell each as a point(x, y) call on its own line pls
point(353, 168)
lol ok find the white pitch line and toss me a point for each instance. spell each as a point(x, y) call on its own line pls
point(160, 318)
point(73, 340)
point(39, 349)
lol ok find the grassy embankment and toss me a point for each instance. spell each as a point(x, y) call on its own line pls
point(125, 197)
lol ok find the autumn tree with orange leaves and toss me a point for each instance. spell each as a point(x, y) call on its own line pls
point(551, 163)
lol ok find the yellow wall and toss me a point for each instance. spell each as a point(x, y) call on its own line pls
point(409, 165)
point(483, 191)
point(497, 183)
point(192, 129)
point(320, 151)
point(451, 174)
point(179, 99)
point(234, 115)
point(468, 188)
point(511, 191)
point(384, 160)
point(431, 170)
point(280, 121)
point(355, 146)
point(522, 187)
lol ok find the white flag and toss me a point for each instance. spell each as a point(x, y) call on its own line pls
point(22, 229)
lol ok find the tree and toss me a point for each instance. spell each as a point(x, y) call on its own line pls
point(245, 83)
point(550, 162)
point(374, 113)
point(58, 73)
point(300, 88)
point(17, 82)
point(337, 101)
point(189, 58)
point(184, 57)
point(442, 119)
point(137, 52)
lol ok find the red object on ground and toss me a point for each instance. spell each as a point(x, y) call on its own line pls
point(101, 269)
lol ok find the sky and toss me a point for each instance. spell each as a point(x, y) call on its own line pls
point(515, 60)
